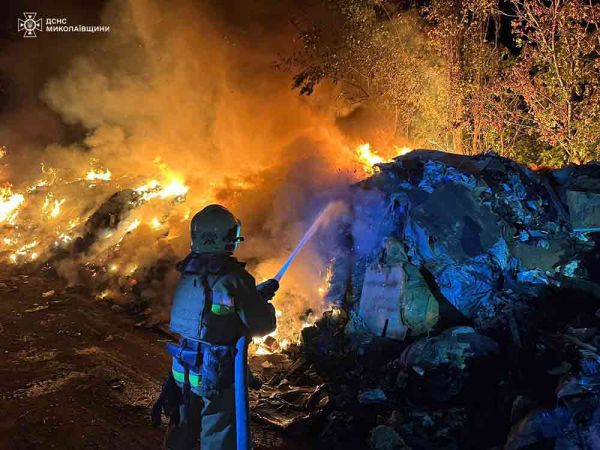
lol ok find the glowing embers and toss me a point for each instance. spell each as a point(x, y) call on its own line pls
point(10, 203)
point(368, 158)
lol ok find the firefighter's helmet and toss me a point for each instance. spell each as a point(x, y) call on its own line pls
point(215, 230)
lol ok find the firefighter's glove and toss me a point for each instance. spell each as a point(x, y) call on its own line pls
point(168, 402)
point(268, 288)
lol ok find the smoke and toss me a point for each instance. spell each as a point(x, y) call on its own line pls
point(185, 92)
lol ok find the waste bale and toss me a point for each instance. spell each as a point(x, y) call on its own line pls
point(472, 226)
point(483, 278)
point(443, 365)
point(579, 189)
point(584, 208)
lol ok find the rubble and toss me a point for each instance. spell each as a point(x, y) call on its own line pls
point(442, 365)
point(386, 438)
point(465, 294)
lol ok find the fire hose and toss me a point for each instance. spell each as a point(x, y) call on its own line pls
point(242, 407)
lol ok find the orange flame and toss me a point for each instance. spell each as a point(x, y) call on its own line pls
point(368, 158)
point(9, 204)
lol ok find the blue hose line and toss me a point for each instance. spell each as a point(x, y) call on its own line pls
point(242, 407)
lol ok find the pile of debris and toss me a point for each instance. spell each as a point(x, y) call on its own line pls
point(465, 296)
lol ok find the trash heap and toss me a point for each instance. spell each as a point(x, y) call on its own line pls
point(465, 311)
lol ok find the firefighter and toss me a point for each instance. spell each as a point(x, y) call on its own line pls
point(216, 302)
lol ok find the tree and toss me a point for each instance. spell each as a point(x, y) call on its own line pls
point(380, 58)
point(558, 74)
point(520, 78)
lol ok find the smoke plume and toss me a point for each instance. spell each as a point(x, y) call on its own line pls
point(184, 93)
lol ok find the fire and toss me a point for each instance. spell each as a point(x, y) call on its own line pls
point(104, 294)
point(56, 209)
point(57, 212)
point(174, 189)
point(23, 252)
point(155, 223)
point(48, 179)
point(9, 204)
point(322, 290)
point(368, 158)
point(400, 151)
point(62, 239)
point(51, 206)
point(154, 189)
point(133, 225)
point(98, 175)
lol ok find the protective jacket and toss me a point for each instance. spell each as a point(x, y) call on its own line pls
point(216, 302)
point(236, 306)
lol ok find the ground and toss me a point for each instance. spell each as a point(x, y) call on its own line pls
point(76, 374)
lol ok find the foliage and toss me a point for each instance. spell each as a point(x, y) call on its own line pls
point(557, 74)
point(466, 75)
point(379, 61)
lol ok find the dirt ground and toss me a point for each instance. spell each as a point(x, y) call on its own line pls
point(75, 374)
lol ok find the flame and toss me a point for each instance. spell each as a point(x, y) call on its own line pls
point(146, 189)
point(155, 223)
point(9, 204)
point(368, 158)
point(174, 189)
point(104, 294)
point(63, 239)
point(262, 351)
point(51, 206)
point(23, 251)
point(322, 290)
point(259, 344)
point(56, 208)
point(133, 225)
point(119, 260)
point(48, 179)
point(98, 175)
point(401, 151)
point(130, 269)
point(154, 189)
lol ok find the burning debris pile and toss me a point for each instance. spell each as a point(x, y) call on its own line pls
point(82, 228)
point(465, 299)
point(120, 235)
